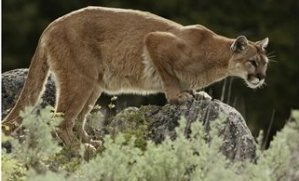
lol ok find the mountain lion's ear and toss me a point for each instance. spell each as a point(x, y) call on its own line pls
point(263, 43)
point(239, 44)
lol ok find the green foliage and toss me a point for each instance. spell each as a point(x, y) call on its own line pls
point(38, 143)
point(24, 21)
point(194, 158)
point(131, 123)
point(12, 169)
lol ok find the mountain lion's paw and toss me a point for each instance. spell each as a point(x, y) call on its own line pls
point(95, 143)
point(89, 151)
point(181, 98)
point(202, 95)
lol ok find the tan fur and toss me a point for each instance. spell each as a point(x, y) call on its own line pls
point(96, 49)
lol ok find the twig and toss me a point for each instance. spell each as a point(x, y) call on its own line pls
point(269, 129)
point(223, 90)
point(229, 90)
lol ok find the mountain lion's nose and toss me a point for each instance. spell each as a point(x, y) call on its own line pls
point(261, 76)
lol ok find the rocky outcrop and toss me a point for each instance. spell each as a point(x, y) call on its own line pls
point(12, 83)
point(156, 122)
point(238, 143)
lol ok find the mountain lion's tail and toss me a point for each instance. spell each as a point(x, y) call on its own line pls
point(32, 89)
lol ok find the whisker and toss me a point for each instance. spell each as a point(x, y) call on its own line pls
point(272, 60)
point(264, 85)
point(270, 53)
point(271, 56)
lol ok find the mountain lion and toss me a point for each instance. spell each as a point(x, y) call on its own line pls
point(97, 49)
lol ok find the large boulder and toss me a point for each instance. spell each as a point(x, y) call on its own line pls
point(12, 83)
point(158, 121)
point(161, 121)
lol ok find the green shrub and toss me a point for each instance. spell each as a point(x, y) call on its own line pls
point(12, 169)
point(36, 157)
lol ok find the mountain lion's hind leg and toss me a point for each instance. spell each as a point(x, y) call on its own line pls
point(74, 91)
point(80, 124)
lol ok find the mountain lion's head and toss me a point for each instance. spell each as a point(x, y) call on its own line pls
point(249, 60)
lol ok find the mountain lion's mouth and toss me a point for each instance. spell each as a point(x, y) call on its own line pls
point(254, 82)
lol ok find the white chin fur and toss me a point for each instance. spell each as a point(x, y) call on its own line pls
point(255, 81)
point(253, 84)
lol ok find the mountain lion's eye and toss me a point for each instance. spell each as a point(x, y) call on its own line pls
point(253, 63)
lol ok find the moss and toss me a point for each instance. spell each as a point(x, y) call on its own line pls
point(64, 160)
point(132, 122)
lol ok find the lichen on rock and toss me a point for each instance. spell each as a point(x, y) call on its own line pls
point(155, 123)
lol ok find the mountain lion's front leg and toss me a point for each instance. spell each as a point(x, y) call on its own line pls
point(164, 50)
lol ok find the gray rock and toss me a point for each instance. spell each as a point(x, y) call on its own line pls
point(239, 144)
point(157, 121)
point(12, 83)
